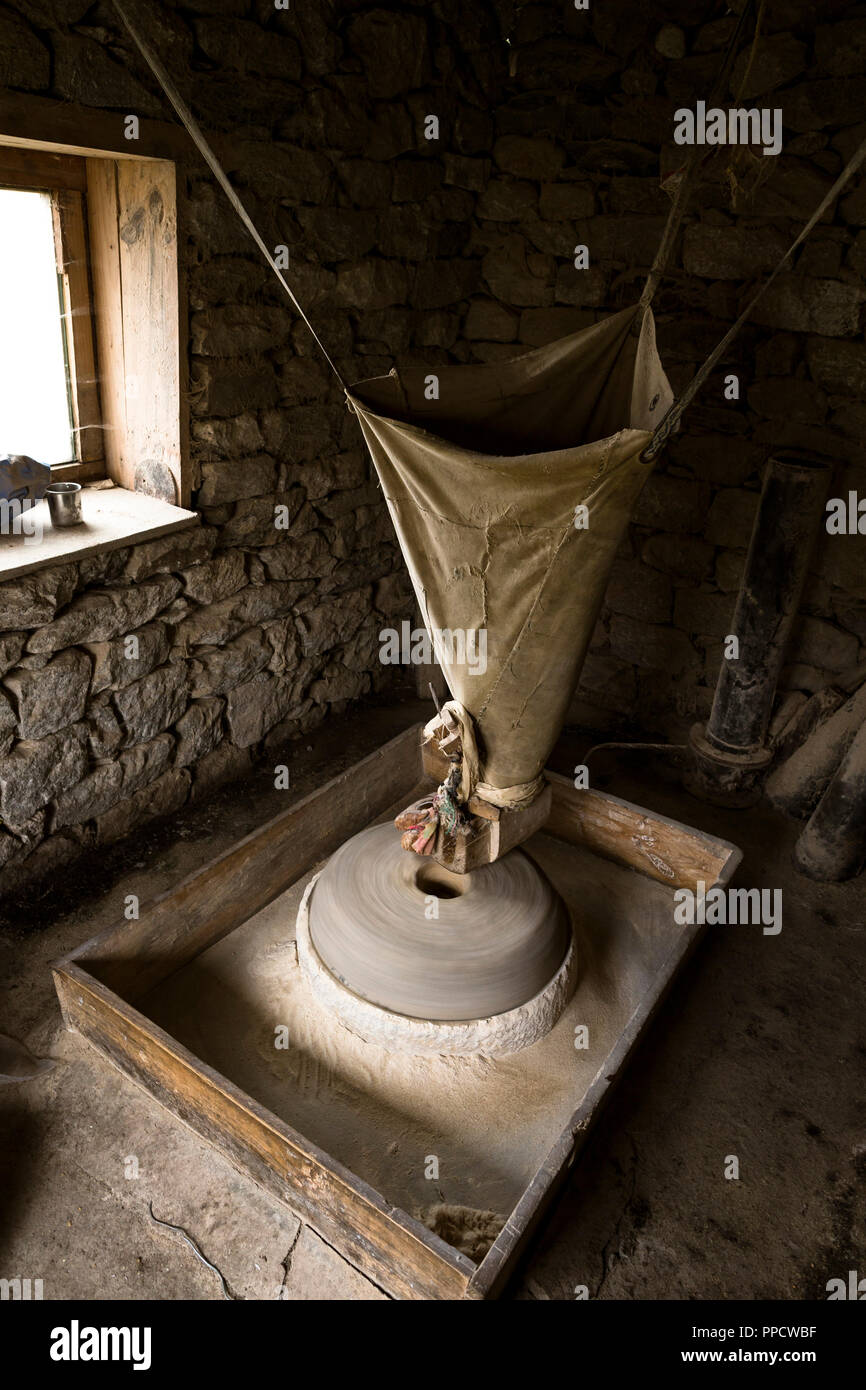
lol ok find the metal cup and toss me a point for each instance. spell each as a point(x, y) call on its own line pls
point(64, 504)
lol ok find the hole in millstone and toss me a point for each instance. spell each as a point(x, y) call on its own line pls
point(439, 882)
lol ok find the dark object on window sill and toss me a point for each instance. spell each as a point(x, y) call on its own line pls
point(22, 479)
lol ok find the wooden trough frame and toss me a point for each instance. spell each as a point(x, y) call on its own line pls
point(99, 983)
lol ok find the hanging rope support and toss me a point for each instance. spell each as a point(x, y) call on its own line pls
point(672, 419)
point(196, 135)
point(695, 159)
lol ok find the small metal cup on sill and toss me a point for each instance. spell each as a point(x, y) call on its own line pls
point(64, 504)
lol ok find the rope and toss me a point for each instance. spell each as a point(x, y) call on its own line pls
point(195, 133)
point(671, 420)
point(684, 188)
point(672, 226)
point(455, 717)
point(753, 53)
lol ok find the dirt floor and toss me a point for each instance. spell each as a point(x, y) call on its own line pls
point(758, 1054)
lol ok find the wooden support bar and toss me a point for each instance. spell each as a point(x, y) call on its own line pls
point(662, 849)
point(78, 308)
point(41, 169)
point(63, 127)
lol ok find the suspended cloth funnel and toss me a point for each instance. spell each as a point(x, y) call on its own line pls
point(486, 471)
point(485, 483)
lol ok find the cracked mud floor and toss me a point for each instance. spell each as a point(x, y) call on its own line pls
point(759, 1052)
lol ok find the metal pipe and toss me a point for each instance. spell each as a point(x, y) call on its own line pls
point(792, 499)
point(730, 754)
point(833, 845)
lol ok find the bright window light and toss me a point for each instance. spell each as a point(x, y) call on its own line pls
point(35, 414)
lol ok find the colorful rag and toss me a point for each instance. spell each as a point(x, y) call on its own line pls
point(421, 821)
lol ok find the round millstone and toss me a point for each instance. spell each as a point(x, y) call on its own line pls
point(412, 956)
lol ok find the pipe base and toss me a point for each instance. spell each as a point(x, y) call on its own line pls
point(725, 777)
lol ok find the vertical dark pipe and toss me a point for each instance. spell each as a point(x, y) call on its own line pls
point(833, 845)
point(792, 497)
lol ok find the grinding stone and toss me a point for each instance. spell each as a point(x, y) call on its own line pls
point(501, 935)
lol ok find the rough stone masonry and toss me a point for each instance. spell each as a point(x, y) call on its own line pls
point(555, 128)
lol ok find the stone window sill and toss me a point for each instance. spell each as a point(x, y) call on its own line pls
point(113, 517)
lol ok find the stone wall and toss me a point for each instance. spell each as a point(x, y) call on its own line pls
point(424, 252)
point(801, 362)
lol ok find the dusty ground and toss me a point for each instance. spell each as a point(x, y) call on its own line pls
point(759, 1053)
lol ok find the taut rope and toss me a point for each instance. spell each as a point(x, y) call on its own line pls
point(672, 418)
point(196, 135)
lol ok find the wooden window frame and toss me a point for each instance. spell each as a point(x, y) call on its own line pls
point(64, 177)
point(145, 441)
point(138, 309)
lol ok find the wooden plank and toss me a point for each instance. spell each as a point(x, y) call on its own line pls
point(108, 305)
point(78, 306)
point(499, 1263)
point(147, 214)
point(183, 318)
point(133, 236)
point(34, 168)
point(387, 1245)
point(32, 122)
point(134, 956)
point(662, 849)
point(92, 471)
